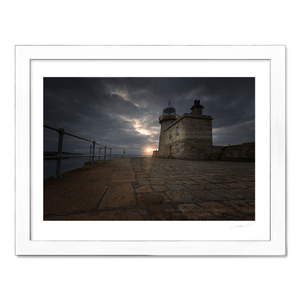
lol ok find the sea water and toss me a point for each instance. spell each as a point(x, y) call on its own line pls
point(76, 163)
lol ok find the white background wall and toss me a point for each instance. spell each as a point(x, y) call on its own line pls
point(255, 22)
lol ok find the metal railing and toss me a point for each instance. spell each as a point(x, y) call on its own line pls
point(60, 155)
point(91, 149)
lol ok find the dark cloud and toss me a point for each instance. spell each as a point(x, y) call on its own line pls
point(123, 112)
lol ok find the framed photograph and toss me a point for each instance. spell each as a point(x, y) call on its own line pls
point(150, 150)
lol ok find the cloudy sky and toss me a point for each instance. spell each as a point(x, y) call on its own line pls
point(123, 113)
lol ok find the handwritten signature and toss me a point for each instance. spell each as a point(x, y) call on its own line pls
point(240, 226)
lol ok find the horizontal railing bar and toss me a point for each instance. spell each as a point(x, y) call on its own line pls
point(60, 155)
point(102, 148)
point(83, 155)
point(78, 137)
point(51, 128)
point(70, 156)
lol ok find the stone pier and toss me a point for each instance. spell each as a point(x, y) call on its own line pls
point(153, 189)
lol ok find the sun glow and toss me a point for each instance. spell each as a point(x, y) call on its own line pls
point(148, 149)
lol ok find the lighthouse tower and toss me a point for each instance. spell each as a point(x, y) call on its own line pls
point(185, 137)
point(168, 117)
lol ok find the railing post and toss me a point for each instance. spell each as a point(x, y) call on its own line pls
point(90, 152)
point(99, 154)
point(93, 158)
point(59, 152)
point(110, 154)
point(104, 154)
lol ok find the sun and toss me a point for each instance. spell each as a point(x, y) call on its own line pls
point(148, 149)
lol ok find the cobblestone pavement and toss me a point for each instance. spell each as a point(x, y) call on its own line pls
point(153, 189)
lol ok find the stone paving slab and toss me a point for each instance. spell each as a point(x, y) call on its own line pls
point(242, 207)
point(194, 212)
point(165, 212)
point(153, 189)
point(126, 214)
point(118, 195)
point(159, 188)
point(179, 196)
point(218, 209)
point(147, 199)
point(72, 199)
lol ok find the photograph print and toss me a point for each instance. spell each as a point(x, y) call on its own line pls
point(149, 149)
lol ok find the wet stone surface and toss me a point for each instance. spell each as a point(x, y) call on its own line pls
point(153, 189)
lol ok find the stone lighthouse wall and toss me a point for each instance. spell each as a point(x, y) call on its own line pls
point(164, 124)
point(190, 137)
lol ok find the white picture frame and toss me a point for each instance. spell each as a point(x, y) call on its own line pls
point(26, 184)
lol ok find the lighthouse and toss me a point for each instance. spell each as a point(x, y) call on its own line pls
point(168, 117)
point(188, 136)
